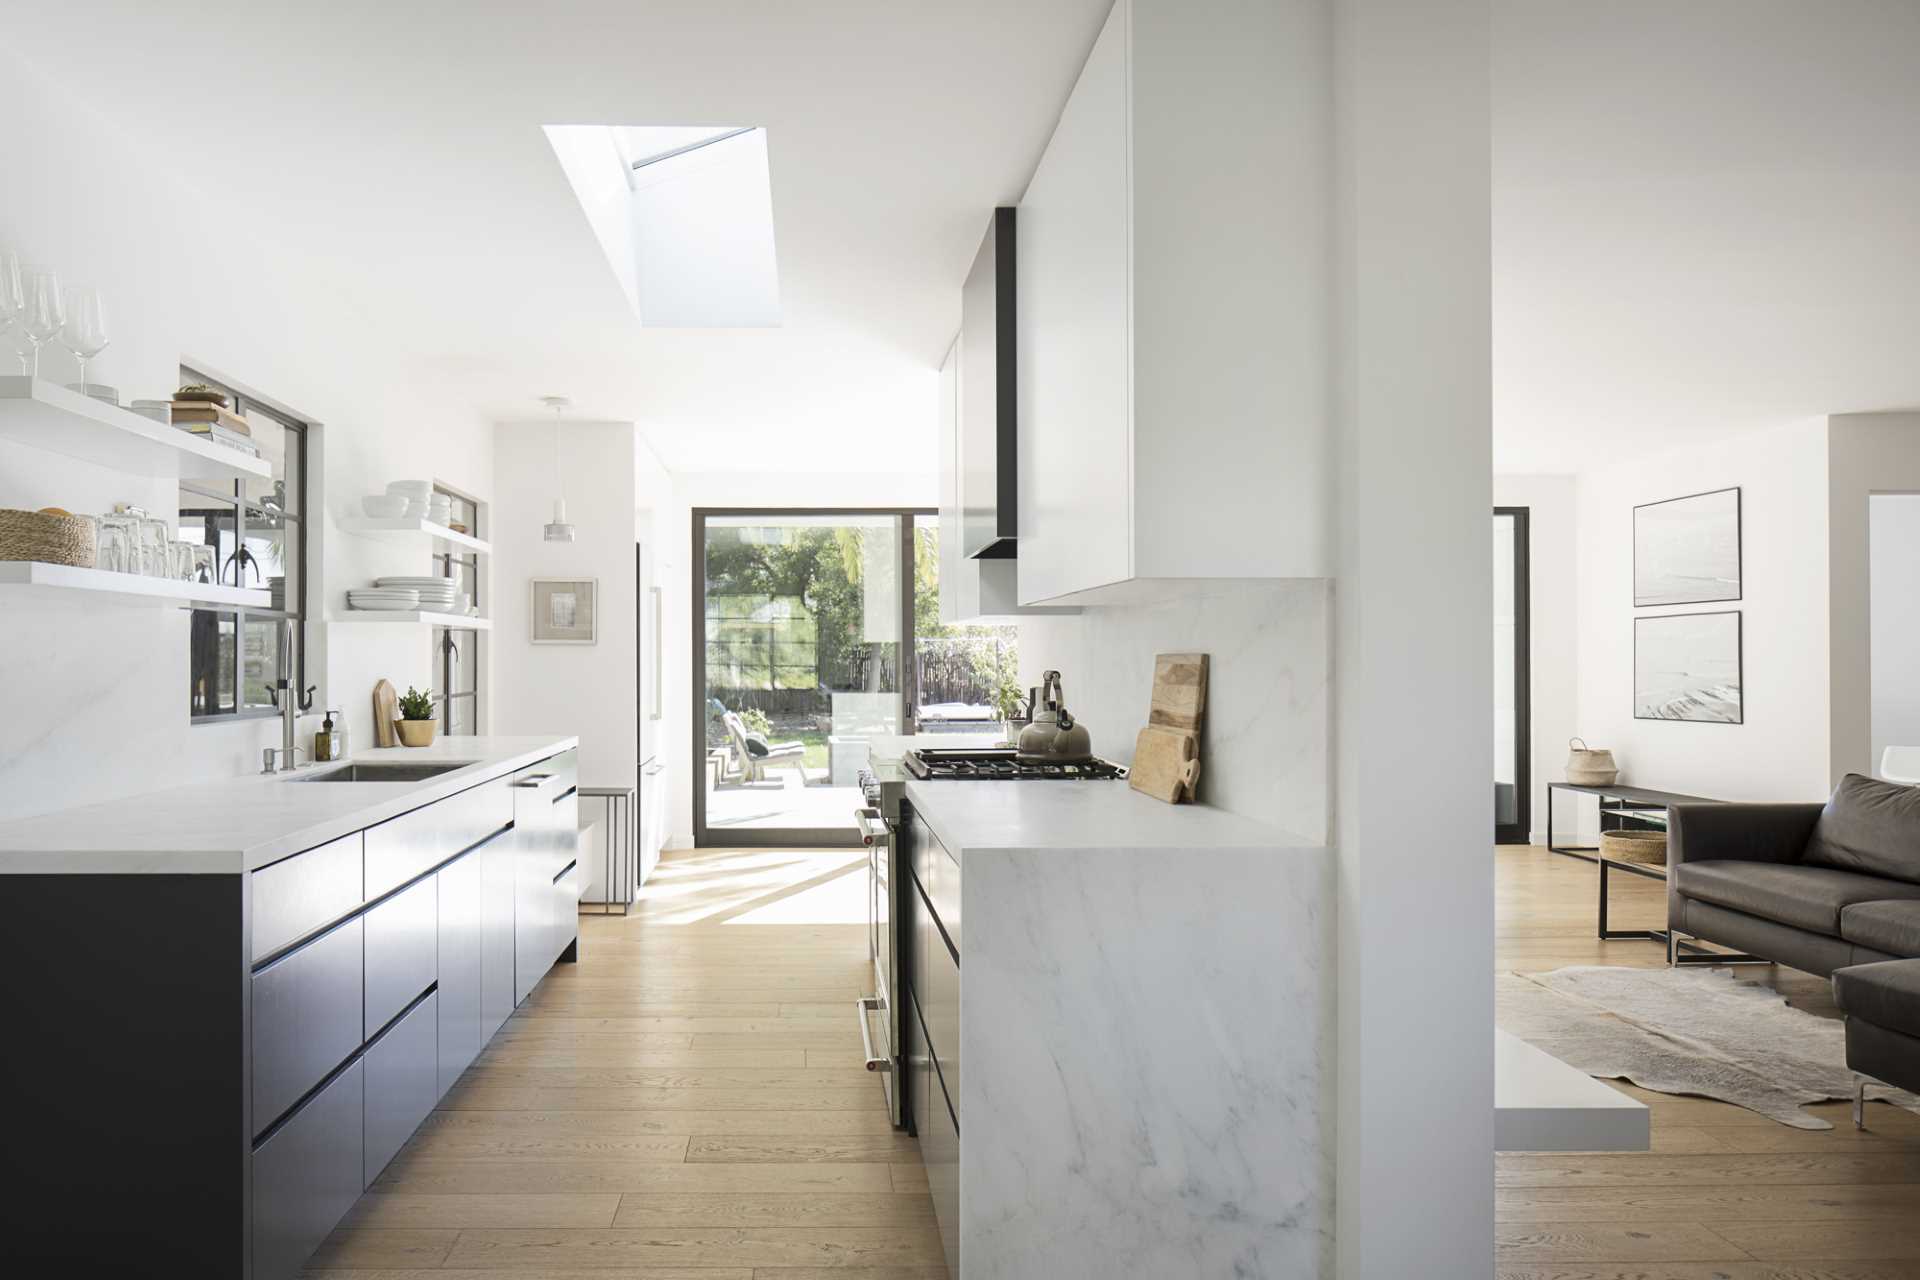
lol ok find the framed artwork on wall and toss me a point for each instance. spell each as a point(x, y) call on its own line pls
point(565, 611)
point(1687, 666)
point(1687, 550)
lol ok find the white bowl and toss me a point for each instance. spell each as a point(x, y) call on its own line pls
point(384, 506)
point(411, 487)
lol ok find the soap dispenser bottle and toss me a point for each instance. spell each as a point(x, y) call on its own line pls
point(330, 740)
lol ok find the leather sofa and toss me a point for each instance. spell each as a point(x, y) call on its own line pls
point(1815, 886)
point(1833, 889)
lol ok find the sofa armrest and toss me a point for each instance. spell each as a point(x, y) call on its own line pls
point(1739, 832)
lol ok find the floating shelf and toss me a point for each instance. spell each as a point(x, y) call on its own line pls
point(419, 617)
point(367, 528)
point(45, 415)
point(128, 588)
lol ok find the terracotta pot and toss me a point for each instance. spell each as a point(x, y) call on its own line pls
point(416, 733)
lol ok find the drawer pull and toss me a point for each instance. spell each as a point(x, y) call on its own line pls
point(861, 1008)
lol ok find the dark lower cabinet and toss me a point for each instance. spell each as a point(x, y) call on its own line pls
point(933, 1023)
point(462, 961)
point(307, 1174)
point(403, 1074)
point(306, 1018)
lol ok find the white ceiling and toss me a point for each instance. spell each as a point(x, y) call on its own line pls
point(400, 146)
point(1706, 219)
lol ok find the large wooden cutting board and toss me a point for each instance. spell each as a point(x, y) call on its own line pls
point(1166, 754)
point(386, 709)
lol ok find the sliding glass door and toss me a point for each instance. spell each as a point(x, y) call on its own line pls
point(801, 620)
point(1512, 739)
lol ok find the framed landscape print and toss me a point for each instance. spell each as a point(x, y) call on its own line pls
point(565, 610)
point(1687, 550)
point(1686, 666)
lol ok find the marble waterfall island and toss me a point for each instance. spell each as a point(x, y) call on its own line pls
point(1146, 1021)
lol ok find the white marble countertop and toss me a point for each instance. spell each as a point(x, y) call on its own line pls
point(972, 817)
point(240, 824)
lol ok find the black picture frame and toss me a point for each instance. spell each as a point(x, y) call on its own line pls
point(1739, 550)
point(1739, 664)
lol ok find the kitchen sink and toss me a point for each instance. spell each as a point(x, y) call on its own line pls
point(383, 772)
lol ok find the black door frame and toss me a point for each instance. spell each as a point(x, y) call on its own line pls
point(847, 837)
point(1520, 830)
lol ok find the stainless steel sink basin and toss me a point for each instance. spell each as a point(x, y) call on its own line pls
point(383, 772)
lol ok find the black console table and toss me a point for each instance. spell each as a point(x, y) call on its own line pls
point(1621, 809)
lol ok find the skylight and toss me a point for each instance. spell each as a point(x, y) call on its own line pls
point(684, 214)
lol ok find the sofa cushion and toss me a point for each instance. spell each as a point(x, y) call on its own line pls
point(1805, 897)
point(1886, 994)
point(1892, 927)
point(1871, 827)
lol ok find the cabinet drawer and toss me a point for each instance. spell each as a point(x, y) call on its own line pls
point(939, 878)
point(306, 1019)
point(402, 952)
point(296, 896)
point(565, 921)
point(403, 847)
point(402, 1069)
point(306, 1177)
point(565, 767)
point(936, 989)
point(475, 814)
point(939, 1139)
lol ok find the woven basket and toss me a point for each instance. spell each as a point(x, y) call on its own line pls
point(1590, 766)
point(49, 539)
point(1649, 848)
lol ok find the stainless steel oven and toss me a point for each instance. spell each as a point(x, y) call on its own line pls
point(880, 1012)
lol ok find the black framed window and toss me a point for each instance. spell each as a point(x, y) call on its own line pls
point(456, 650)
point(254, 531)
point(1513, 696)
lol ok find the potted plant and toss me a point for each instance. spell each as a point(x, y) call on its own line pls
point(416, 724)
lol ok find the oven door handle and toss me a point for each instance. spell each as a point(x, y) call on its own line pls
point(861, 1008)
point(873, 828)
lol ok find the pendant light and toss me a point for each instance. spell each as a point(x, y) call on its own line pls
point(558, 530)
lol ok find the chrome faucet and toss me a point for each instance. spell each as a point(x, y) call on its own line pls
point(288, 703)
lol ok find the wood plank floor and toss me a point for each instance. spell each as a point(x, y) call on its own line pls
point(1724, 1194)
point(687, 1103)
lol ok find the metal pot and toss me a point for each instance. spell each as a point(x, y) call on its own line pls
point(1054, 737)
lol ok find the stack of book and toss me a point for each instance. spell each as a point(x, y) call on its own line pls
point(216, 423)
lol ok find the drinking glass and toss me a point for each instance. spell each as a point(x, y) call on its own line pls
point(44, 312)
point(118, 544)
point(85, 330)
point(13, 302)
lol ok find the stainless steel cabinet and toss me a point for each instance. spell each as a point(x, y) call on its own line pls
point(499, 869)
point(306, 1019)
point(402, 1073)
point(307, 1175)
point(461, 963)
point(402, 951)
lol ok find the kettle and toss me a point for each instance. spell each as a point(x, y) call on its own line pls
point(1054, 737)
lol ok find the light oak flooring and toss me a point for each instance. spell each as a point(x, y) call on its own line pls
point(1724, 1194)
point(687, 1103)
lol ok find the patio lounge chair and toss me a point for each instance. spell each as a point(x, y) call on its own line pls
point(751, 765)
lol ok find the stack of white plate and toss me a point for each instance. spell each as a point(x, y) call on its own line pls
point(439, 508)
point(382, 598)
point(434, 594)
point(418, 494)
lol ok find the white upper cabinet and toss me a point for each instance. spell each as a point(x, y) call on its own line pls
point(1172, 309)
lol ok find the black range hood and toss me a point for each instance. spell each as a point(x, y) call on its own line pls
point(989, 409)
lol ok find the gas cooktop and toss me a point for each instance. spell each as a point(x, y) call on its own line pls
point(989, 764)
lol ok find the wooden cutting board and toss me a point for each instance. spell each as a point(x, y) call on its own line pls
point(1179, 691)
point(386, 709)
point(1166, 764)
point(1166, 754)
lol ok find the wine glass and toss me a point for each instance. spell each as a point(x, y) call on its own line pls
point(85, 330)
point(44, 313)
point(13, 303)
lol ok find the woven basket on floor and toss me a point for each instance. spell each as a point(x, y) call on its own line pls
point(49, 539)
point(1646, 847)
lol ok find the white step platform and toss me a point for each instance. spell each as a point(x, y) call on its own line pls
point(1542, 1104)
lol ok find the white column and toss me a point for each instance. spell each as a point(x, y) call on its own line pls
point(1413, 659)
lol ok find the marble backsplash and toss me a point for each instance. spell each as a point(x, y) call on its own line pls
point(1265, 748)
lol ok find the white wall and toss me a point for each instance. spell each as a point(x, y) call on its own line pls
point(1412, 638)
point(1264, 747)
point(95, 702)
point(1781, 751)
point(1893, 602)
point(1555, 640)
point(590, 690)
